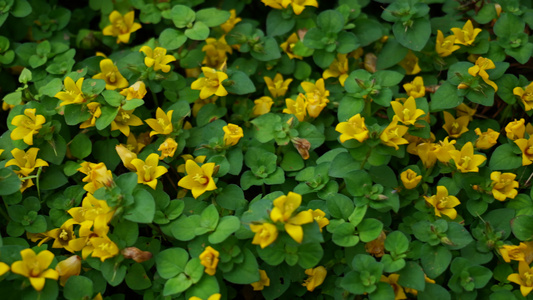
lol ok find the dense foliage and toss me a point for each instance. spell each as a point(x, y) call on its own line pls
point(199, 149)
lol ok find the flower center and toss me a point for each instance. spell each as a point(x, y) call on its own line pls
point(104, 247)
point(441, 204)
point(201, 179)
point(465, 161)
point(111, 76)
point(528, 276)
point(63, 235)
point(147, 175)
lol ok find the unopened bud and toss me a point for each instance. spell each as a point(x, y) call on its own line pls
point(446, 240)
point(462, 86)
point(136, 254)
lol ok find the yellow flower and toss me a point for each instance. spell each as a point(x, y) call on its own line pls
point(167, 148)
point(289, 44)
point(355, 129)
point(525, 95)
point(262, 105)
point(298, 6)
point(316, 95)
point(26, 161)
point(86, 235)
point(148, 171)
point(265, 234)
point(199, 179)
point(376, 247)
point(486, 139)
point(410, 64)
point(284, 207)
point(277, 87)
point(4, 268)
point(442, 150)
point(63, 235)
point(263, 281)
point(516, 129)
point(162, 124)
point(445, 46)
point(211, 83)
point(416, 88)
point(443, 203)
point(465, 110)
point(135, 91)
point(415, 292)
point(212, 297)
point(410, 179)
point(483, 64)
point(73, 93)
point(503, 185)
point(104, 248)
point(455, 127)
point(121, 26)
point(522, 252)
point(111, 75)
point(199, 159)
point(467, 35)
point(465, 160)
point(96, 112)
point(28, 125)
point(407, 113)
point(320, 217)
point(97, 176)
point(232, 134)
point(399, 293)
point(527, 150)
point(126, 156)
point(297, 108)
point(68, 267)
point(90, 209)
point(35, 267)
point(273, 3)
point(524, 278)
point(338, 68)
point(230, 23)
point(316, 277)
point(157, 58)
point(392, 136)
point(209, 259)
point(123, 121)
point(215, 52)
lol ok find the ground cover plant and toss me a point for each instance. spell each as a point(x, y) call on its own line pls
point(271, 149)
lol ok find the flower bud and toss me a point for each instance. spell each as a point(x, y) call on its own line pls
point(136, 254)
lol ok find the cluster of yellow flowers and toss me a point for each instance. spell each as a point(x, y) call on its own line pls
point(92, 217)
point(298, 6)
point(283, 213)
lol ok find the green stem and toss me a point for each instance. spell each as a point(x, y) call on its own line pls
point(4, 213)
point(154, 96)
point(368, 109)
point(366, 158)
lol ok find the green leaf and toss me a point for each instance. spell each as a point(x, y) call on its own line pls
point(347, 42)
point(132, 104)
point(20, 8)
point(182, 15)
point(396, 242)
point(388, 78)
point(104, 151)
point(522, 227)
point(212, 17)
point(367, 31)
point(268, 51)
point(171, 262)
point(78, 287)
point(113, 272)
point(183, 228)
point(504, 158)
point(309, 255)
point(143, 209)
point(340, 206)
point(384, 291)
point(246, 272)
point(227, 226)
point(459, 236)
point(54, 150)
point(112, 98)
point(172, 39)
point(276, 24)
point(358, 183)
point(508, 25)
point(265, 125)
point(391, 54)
point(435, 260)
point(445, 98)
point(369, 229)
point(108, 115)
point(412, 276)
point(414, 37)
point(240, 83)
point(81, 146)
point(330, 21)
point(51, 88)
point(344, 235)
point(177, 284)
point(137, 279)
point(9, 182)
point(75, 115)
point(198, 32)
point(434, 292)
point(208, 219)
